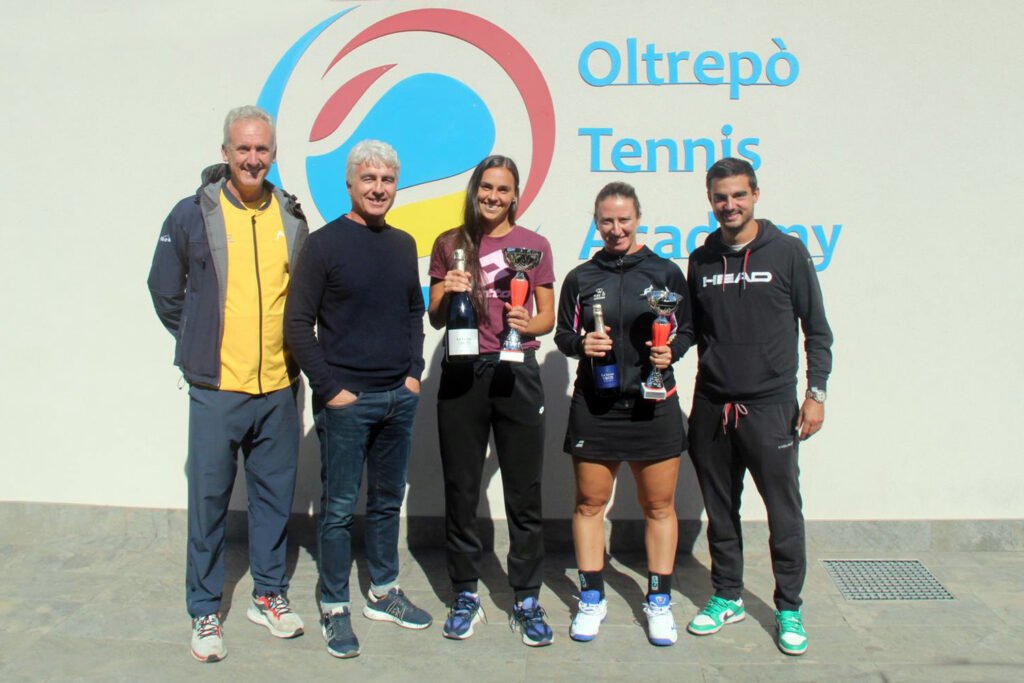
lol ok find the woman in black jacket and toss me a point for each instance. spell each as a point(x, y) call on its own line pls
point(605, 429)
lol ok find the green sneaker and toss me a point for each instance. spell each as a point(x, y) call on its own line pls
point(792, 636)
point(716, 614)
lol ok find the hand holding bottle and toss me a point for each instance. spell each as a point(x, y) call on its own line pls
point(597, 344)
point(457, 281)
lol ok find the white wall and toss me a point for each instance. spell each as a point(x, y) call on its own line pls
point(901, 127)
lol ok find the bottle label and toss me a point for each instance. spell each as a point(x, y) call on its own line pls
point(463, 343)
point(606, 376)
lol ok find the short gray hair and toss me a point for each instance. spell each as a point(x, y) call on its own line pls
point(247, 112)
point(373, 152)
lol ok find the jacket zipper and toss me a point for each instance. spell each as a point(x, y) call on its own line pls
point(259, 301)
point(619, 357)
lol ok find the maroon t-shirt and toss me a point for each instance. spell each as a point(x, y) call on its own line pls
point(497, 277)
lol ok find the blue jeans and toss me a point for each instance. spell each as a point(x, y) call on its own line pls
point(376, 430)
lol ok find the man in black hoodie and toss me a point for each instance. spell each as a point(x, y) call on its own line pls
point(749, 286)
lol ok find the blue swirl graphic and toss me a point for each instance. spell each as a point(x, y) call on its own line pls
point(438, 125)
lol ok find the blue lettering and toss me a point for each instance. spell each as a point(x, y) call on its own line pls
point(697, 230)
point(631, 52)
point(626, 148)
point(726, 142)
point(827, 244)
point(701, 67)
point(738, 69)
point(690, 145)
point(651, 59)
point(736, 78)
point(615, 63)
point(798, 231)
point(673, 65)
point(595, 144)
point(745, 151)
point(671, 247)
point(652, 154)
point(668, 243)
point(591, 242)
point(771, 69)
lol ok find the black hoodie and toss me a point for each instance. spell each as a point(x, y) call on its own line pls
point(620, 285)
point(746, 305)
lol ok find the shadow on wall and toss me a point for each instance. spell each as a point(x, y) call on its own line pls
point(424, 507)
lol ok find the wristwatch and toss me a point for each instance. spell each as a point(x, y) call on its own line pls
point(815, 394)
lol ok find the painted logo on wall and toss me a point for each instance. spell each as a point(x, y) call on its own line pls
point(440, 125)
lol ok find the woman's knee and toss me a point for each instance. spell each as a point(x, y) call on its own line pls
point(659, 509)
point(590, 506)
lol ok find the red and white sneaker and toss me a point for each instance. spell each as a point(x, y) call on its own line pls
point(274, 612)
point(208, 639)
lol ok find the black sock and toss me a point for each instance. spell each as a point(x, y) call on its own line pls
point(659, 584)
point(592, 581)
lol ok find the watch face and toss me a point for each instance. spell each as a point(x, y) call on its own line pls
point(816, 394)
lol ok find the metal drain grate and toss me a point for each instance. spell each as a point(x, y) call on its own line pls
point(885, 580)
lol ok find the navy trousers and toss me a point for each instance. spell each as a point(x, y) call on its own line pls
point(265, 429)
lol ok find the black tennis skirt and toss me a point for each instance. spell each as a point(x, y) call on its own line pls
point(628, 428)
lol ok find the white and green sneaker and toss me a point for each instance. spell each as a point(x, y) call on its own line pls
point(716, 614)
point(792, 636)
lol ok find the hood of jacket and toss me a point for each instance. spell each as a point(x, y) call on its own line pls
point(616, 262)
point(213, 178)
point(766, 232)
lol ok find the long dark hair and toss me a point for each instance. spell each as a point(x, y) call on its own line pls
point(468, 235)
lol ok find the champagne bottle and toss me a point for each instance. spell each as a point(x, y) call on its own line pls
point(606, 369)
point(463, 336)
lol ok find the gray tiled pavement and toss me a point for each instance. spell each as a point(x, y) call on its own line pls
point(81, 607)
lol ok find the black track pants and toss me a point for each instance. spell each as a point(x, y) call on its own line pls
point(762, 440)
point(472, 400)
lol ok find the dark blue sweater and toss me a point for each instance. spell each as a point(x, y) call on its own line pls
point(360, 285)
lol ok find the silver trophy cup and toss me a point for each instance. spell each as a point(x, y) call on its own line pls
point(520, 260)
point(664, 303)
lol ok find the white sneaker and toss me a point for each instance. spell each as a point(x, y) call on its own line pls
point(208, 639)
point(274, 612)
point(661, 626)
point(587, 622)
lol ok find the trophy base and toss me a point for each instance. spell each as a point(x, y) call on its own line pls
point(512, 356)
point(653, 394)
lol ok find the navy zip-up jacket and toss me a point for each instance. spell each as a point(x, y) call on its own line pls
point(188, 278)
point(620, 284)
point(746, 308)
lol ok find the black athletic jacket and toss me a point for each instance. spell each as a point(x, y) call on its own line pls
point(621, 284)
point(746, 305)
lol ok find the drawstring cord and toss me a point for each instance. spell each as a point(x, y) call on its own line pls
point(725, 269)
point(737, 410)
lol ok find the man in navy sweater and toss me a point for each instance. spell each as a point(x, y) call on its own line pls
point(357, 281)
point(749, 287)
